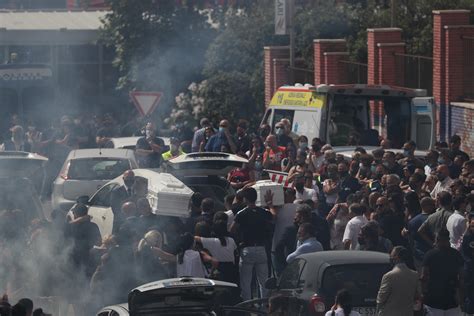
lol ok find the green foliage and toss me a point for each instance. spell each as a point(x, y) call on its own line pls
point(165, 45)
point(160, 46)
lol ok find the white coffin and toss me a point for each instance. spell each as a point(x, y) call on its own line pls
point(263, 186)
point(168, 195)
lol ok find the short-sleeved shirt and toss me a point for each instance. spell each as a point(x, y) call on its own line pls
point(191, 266)
point(353, 229)
point(443, 267)
point(436, 221)
point(152, 160)
point(420, 246)
point(254, 224)
point(276, 156)
point(456, 226)
point(215, 143)
point(219, 252)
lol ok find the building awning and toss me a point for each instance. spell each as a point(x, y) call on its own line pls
point(50, 27)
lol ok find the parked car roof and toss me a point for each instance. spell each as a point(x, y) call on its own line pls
point(348, 151)
point(100, 152)
point(336, 257)
point(20, 164)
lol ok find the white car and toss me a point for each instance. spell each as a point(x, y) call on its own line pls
point(167, 196)
point(86, 170)
point(114, 310)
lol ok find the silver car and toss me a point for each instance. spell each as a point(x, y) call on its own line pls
point(20, 173)
point(86, 170)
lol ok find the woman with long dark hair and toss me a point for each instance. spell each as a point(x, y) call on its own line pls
point(343, 305)
point(189, 262)
point(223, 249)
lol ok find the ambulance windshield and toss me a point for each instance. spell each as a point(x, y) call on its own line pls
point(352, 121)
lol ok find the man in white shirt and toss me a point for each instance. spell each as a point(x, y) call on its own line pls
point(456, 224)
point(353, 227)
point(444, 181)
point(303, 193)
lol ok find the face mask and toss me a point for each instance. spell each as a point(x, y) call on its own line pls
point(303, 145)
point(299, 186)
point(264, 133)
point(128, 183)
point(222, 129)
point(279, 131)
point(440, 176)
point(386, 164)
point(148, 133)
point(372, 169)
point(406, 152)
point(468, 208)
point(441, 161)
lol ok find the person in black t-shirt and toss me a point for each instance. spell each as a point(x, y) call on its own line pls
point(252, 225)
point(149, 148)
point(441, 277)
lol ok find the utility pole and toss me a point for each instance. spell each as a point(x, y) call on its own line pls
point(392, 12)
point(291, 13)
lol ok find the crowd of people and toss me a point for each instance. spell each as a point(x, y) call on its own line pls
point(417, 209)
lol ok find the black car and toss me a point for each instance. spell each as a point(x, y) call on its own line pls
point(314, 279)
point(206, 173)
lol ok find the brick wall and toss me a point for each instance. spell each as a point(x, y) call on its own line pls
point(270, 54)
point(382, 43)
point(443, 90)
point(322, 46)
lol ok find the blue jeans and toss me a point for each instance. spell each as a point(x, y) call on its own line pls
point(250, 258)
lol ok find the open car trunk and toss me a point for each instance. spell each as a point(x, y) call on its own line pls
point(204, 164)
point(181, 296)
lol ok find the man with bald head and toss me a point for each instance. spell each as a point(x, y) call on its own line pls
point(273, 154)
point(221, 139)
point(444, 181)
point(121, 194)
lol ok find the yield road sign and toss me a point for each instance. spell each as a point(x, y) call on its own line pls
point(145, 102)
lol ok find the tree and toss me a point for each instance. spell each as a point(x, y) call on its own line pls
point(160, 45)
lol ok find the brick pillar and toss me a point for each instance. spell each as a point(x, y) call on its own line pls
point(281, 72)
point(441, 19)
point(270, 54)
point(387, 63)
point(322, 46)
point(381, 44)
point(334, 71)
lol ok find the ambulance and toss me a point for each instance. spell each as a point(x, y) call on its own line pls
point(341, 115)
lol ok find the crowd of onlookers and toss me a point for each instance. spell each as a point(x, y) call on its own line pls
point(417, 209)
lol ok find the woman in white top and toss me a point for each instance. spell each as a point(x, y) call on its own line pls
point(343, 305)
point(189, 262)
point(223, 249)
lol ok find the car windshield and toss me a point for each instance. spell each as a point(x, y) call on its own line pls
point(362, 281)
point(97, 168)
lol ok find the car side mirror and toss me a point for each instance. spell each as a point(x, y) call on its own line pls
point(83, 199)
point(271, 283)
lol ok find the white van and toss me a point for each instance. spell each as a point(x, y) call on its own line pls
point(341, 115)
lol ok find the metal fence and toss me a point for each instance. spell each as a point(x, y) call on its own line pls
point(414, 71)
point(356, 72)
point(302, 75)
point(468, 68)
